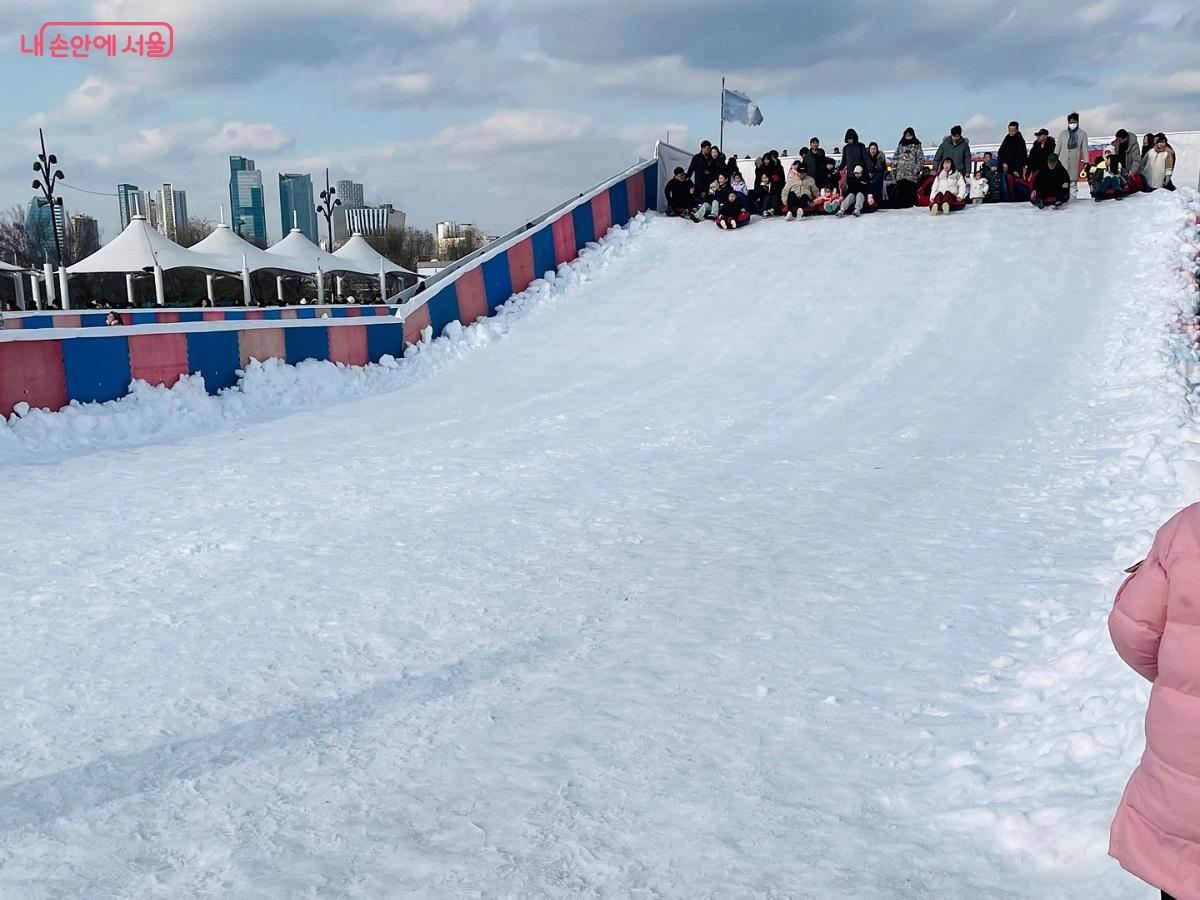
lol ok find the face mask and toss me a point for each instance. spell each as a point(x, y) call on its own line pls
point(1073, 126)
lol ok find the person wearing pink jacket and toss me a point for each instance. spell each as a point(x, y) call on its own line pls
point(1155, 626)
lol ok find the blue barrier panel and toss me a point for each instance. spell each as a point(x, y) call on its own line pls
point(443, 308)
point(38, 322)
point(191, 315)
point(92, 320)
point(338, 312)
point(543, 252)
point(272, 313)
point(652, 195)
point(585, 230)
point(235, 315)
point(143, 318)
point(385, 338)
point(497, 281)
point(97, 368)
point(306, 312)
point(215, 355)
point(618, 200)
point(305, 343)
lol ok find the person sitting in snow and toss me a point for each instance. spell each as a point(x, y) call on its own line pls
point(832, 179)
point(799, 191)
point(1051, 184)
point(991, 172)
point(948, 187)
point(762, 198)
point(1122, 161)
point(854, 192)
point(681, 196)
point(979, 185)
point(731, 214)
point(738, 184)
point(828, 200)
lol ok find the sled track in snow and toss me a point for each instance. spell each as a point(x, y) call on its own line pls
point(761, 564)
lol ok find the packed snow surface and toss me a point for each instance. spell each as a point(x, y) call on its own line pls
point(759, 564)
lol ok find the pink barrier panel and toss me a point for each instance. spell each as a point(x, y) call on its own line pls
point(32, 372)
point(520, 265)
point(564, 239)
point(635, 185)
point(251, 314)
point(601, 215)
point(472, 297)
point(348, 345)
point(212, 315)
point(289, 313)
point(167, 317)
point(261, 344)
point(158, 358)
point(352, 312)
point(416, 323)
point(66, 320)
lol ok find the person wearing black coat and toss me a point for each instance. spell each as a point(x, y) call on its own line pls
point(733, 213)
point(814, 161)
point(681, 196)
point(1042, 147)
point(1013, 154)
point(1051, 184)
point(854, 153)
point(700, 170)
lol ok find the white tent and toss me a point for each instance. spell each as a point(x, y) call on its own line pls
point(359, 251)
point(139, 248)
point(224, 243)
point(8, 267)
point(297, 248)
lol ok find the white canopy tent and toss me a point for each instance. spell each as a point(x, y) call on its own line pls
point(139, 248)
point(359, 251)
point(17, 274)
point(224, 243)
point(296, 247)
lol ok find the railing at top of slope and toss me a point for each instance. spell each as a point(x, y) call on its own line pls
point(412, 298)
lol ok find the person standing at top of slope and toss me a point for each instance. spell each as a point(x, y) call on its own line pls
point(700, 169)
point(1013, 154)
point(908, 165)
point(814, 160)
point(854, 153)
point(948, 188)
point(955, 148)
point(1043, 146)
point(1073, 150)
point(1158, 164)
point(1154, 626)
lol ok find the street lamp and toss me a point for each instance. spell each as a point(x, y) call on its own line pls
point(50, 177)
point(328, 202)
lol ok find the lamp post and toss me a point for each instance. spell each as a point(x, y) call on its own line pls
point(328, 202)
point(45, 166)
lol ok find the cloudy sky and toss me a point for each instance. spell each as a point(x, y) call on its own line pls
point(494, 111)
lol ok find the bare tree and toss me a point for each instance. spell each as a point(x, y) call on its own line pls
point(14, 244)
point(403, 246)
point(465, 244)
point(193, 231)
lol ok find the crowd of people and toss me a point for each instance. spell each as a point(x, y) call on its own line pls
point(859, 178)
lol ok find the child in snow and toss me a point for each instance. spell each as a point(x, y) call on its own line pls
point(854, 193)
point(828, 201)
point(762, 201)
point(948, 187)
point(979, 185)
point(739, 185)
point(1156, 831)
point(732, 213)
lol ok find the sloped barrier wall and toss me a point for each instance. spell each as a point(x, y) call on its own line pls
point(96, 318)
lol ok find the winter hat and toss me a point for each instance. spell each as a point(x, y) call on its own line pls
point(1040, 132)
point(1073, 117)
point(858, 170)
point(1053, 157)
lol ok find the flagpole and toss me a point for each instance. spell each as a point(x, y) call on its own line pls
point(722, 138)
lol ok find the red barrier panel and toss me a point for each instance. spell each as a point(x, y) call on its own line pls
point(520, 265)
point(601, 215)
point(289, 313)
point(635, 185)
point(353, 311)
point(348, 344)
point(564, 239)
point(167, 317)
point(32, 372)
point(472, 297)
point(66, 320)
point(261, 344)
point(212, 315)
point(418, 322)
point(251, 315)
point(158, 358)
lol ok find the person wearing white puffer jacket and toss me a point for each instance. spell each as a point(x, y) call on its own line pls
point(1158, 164)
point(948, 185)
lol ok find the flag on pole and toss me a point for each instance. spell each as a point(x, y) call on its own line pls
point(737, 107)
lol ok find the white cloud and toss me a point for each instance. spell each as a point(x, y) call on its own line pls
point(513, 129)
point(97, 97)
point(248, 137)
point(1094, 13)
point(391, 89)
point(150, 143)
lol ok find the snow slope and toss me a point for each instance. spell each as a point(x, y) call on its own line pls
point(765, 564)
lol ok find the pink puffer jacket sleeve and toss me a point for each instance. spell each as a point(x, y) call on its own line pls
point(1139, 613)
